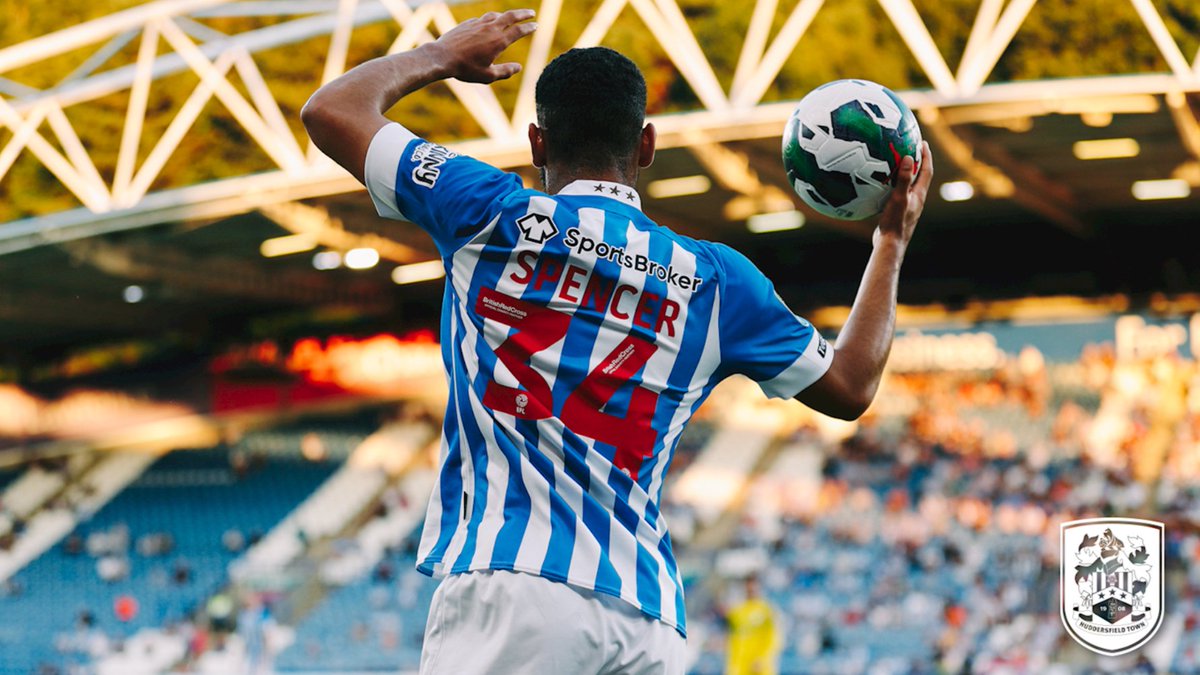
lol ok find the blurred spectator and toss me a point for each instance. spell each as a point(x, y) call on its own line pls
point(312, 447)
point(73, 545)
point(155, 544)
point(233, 541)
point(181, 572)
point(753, 635)
point(112, 568)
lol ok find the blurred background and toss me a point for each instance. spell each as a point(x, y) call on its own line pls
point(220, 381)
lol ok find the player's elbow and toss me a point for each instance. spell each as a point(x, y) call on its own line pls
point(851, 407)
point(315, 115)
point(320, 117)
point(844, 404)
point(844, 391)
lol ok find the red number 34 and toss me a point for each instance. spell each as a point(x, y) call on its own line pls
point(537, 328)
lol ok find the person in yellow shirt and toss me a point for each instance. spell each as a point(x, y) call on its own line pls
point(753, 635)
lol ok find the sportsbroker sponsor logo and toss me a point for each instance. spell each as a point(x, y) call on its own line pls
point(582, 244)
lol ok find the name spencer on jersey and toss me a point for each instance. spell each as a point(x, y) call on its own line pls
point(581, 287)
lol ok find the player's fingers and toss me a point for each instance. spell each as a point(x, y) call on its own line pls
point(904, 174)
point(516, 16)
point(517, 31)
point(503, 71)
point(489, 16)
point(925, 177)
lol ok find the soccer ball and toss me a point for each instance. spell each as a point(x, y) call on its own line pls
point(842, 144)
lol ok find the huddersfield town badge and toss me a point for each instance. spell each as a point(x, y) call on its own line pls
point(1112, 585)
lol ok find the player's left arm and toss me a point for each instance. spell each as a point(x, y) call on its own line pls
point(762, 339)
point(344, 116)
point(849, 385)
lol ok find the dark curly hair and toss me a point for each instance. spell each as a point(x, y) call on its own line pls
point(591, 105)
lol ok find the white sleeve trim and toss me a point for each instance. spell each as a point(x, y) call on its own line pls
point(383, 160)
point(809, 368)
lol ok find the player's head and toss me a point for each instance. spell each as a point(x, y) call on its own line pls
point(591, 111)
point(752, 587)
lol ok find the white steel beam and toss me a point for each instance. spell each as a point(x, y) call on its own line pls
point(975, 73)
point(23, 132)
point(177, 129)
point(211, 55)
point(600, 23)
point(754, 44)
point(55, 162)
point(1163, 40)
point(260, 95)
point(777, 54)
point(101, 56)
point(539, 56)
point(981, 30)
point(135, 115)
point(916, 35)
point(81, 35)
point(339, 42)
point(1185, 122)
point(119, 79)
point(258, 8)
point(77, 154)
point(280, 151)
point(677, 38)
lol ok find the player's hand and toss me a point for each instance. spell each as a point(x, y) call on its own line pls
point(471, 47)
point(907, 200)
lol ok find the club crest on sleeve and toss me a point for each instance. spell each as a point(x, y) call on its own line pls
point(1112, 587)
point(537, 228)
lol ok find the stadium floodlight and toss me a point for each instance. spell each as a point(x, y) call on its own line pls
point(416, 272)
point(1169, 188)
point(361, 258)
point(957, 191)
point(287, 245)
point(133, 294)
point(1106, 148)
point(775, 222)
point(327, 260)
point(679, 187)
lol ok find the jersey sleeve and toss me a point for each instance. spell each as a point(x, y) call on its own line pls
point(450, 196)
point(760, 337)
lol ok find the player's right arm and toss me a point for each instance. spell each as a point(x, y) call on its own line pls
point(848, 387)
point(343, 116)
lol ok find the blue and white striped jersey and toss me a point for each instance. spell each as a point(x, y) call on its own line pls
point(579, 337)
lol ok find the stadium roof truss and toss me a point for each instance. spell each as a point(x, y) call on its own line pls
point(737, 113)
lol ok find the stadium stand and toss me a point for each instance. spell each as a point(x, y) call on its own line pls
point(933, 537)
point(925, 534)
point(373, 624)
point(149, 556)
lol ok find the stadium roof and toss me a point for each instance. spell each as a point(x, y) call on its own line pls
point(1041, 220)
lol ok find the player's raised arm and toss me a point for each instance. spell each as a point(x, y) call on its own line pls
point(343, 116)
point(848, 387)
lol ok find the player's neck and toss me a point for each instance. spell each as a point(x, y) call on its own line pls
point(555, 179)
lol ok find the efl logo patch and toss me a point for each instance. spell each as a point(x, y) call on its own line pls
point(1112, 586)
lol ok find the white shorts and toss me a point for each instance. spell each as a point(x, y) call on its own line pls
point(499, 622)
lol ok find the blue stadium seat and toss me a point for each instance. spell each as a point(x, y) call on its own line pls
point(194, 496)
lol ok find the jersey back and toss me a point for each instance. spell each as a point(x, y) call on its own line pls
point(579, 337)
